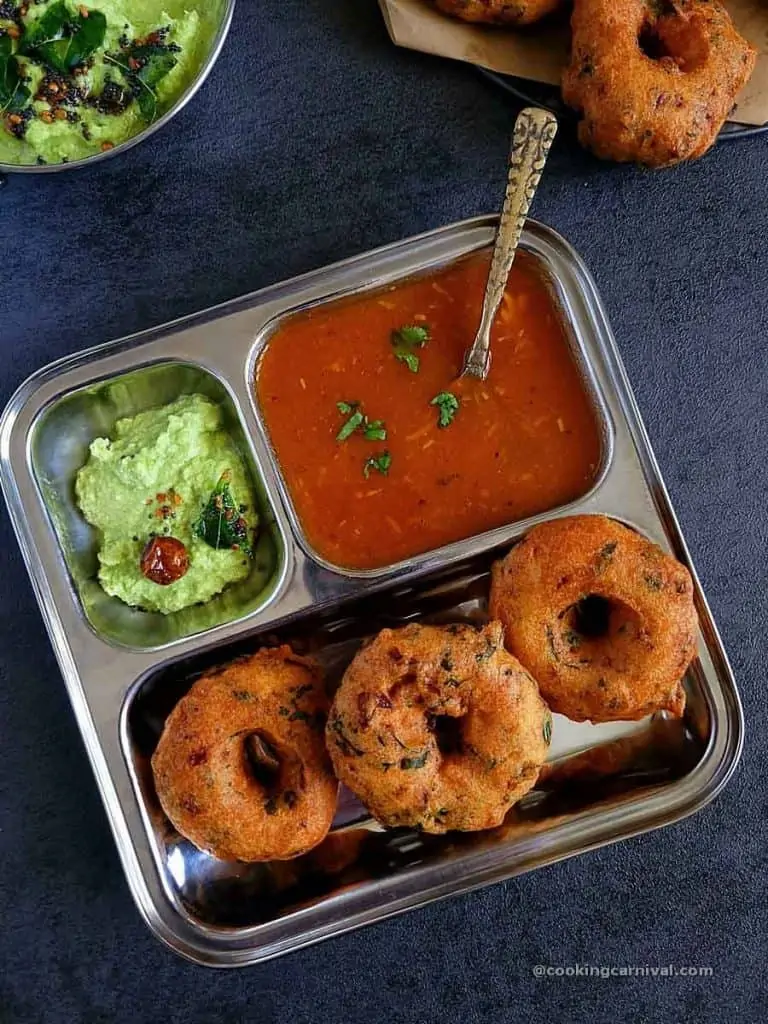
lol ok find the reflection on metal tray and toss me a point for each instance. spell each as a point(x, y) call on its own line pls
point(588, 763)
point(604, 783)
point(541, 94)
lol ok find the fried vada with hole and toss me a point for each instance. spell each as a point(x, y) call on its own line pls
point(602, 617)
point(499, 12)
point(654, 82)
point(438, 728)
point(241, 768)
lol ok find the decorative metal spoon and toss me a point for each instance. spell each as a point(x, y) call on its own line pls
point(533, 135)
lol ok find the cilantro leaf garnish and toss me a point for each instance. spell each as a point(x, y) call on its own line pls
point(352, 424)
point(379, 463)
point(447, 405)
point(416, 335)
point(411, 361)
point(409, 763)
point(406, 340)
point(373, 430)
point(221, 524)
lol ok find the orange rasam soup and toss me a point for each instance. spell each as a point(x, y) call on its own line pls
point(385, 454)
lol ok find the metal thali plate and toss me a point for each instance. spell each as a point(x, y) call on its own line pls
point(123, 677)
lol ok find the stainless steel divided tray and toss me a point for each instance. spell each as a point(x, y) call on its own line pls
point(125, 669)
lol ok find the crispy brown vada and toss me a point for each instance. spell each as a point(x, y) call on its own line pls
point(654, 82)
point(602, 617)
point(438, 727)
point(499, 12)
point(241, 768)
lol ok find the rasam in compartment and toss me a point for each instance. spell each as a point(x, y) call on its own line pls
point(385, 455)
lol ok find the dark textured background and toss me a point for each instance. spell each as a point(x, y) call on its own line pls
point(313, 140)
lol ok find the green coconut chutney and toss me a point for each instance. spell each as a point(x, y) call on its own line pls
point(77, 79)
point(169, 472)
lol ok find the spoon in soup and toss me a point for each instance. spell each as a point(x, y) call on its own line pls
point(531, 141)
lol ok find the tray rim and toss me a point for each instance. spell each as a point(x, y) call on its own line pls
point(687, 802)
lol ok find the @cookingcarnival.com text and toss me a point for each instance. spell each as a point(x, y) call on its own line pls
point(605, 971)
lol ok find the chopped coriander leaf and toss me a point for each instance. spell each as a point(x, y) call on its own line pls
point(416, 335)
point(352, 424)
point(347, 408)
point(448, 406)
point(405, 340)
point(374, 430)
point(547, 730)
point(411, 361)
point(380, 463)
point(409, 763)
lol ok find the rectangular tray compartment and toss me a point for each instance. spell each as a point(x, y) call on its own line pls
point(579, 343)
point(59, 442)
point(633, 758)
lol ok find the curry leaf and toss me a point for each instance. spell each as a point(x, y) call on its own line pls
point(157, 66)
point(87, 40)
point(13, 92)
point(62, 39)
point(144, 67)
point(47, 29)
point(221, 525)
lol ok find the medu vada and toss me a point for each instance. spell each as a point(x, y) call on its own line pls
point(499, 12)
point(654, 81)
point(241, 768)
point(438, 728)
point(601, 617)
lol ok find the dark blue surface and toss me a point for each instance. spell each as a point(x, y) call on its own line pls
point(313, 140)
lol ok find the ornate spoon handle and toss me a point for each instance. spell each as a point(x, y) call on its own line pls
point(533, 135)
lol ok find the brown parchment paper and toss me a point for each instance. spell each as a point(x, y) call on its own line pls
point(539, 53)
